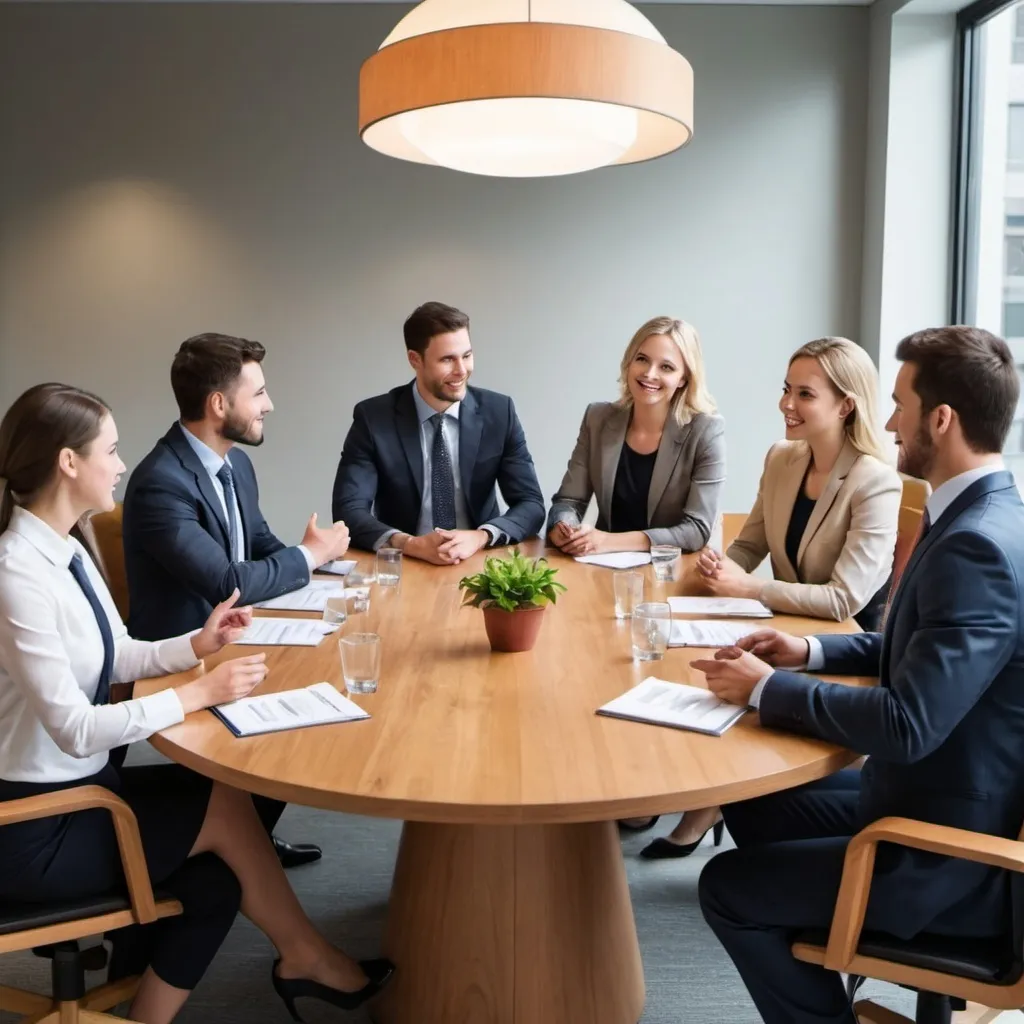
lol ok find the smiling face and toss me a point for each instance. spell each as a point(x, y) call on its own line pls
point(656, 372)
point(914, 442)
point(444, 369)
point(93, 473)
point(810, 405)
point(244, 407)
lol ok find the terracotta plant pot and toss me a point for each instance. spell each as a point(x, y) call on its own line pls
point(512, 631)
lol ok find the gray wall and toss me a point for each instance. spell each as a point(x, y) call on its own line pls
point(168, 169)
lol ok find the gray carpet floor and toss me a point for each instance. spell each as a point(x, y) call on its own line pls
point(689, 978)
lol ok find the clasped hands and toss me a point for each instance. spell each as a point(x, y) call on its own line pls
point(446, 547)
point(724, 578)
point(734, 671)
point(577, 540)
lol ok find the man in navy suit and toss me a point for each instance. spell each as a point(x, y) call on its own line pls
point(193, 530)
point(420, 464)
point(943, 730)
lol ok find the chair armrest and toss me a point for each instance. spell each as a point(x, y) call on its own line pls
point(129, 842)
point(858, 868)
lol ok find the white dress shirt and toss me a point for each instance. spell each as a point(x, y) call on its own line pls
point(938, 501)
point(450, 425)
point(51, 657)
point(212, 463)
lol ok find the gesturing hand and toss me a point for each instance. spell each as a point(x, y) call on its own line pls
point(225, 625)
point(732, 674)
point(325, 544)
point(229, 681)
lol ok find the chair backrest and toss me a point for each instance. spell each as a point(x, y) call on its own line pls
point(732, 524)
point(915, 494)
point(107, 529)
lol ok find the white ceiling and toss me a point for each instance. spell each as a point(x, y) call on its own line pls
point(642, 3)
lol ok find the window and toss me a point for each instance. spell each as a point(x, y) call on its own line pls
point(989, 270)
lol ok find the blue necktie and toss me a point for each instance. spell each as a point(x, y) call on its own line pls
point(82, 579)
point(228, 481)
point(442, 480)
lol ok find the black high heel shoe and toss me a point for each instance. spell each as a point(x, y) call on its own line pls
point(662, 849)
point(625, 826)
point(378, 971)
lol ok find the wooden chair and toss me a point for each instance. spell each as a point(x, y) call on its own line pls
point(946, 972)
point(107, 537)
point(732, 524)
point(915, 494)
point(52, 930)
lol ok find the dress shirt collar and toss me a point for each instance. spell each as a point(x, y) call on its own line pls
point(424, 411)
point(211, 461)
point(42, 537)
point(945, 494)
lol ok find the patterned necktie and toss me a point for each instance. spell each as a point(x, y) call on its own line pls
point(900, 565)
point(442, 480)
point(228, 481)
point(82, 579)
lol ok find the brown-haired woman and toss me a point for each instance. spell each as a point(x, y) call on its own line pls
point(61, 646)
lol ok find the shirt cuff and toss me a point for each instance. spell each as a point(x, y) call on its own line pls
point(383, 539)
point(160, 710)
point(497, 537)
point(308, 556)
point(755, 694)
point(177, 653)
point(815, 654)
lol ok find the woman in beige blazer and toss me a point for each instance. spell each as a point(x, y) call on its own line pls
point(826, 513)
point(655, 459)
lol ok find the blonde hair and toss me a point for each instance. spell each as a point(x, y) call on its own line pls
point(853, 375)
point(691, 397)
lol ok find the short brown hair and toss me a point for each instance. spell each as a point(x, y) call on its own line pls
point(40, 424)
point(207, 363)
point(429, 320)
point(970, 370)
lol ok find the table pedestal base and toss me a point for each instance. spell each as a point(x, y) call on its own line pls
point(514, 924)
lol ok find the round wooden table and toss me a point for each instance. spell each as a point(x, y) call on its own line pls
point(509, 903)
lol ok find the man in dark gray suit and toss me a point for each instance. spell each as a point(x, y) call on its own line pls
point(420, 464)
point(943, 730)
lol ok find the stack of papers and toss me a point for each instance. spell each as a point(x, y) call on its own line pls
point(268, 632)
point(705, 633)
point(310, 598)
point(319, 704)
point(726, 607)
point(676, 705)
point(617, 559)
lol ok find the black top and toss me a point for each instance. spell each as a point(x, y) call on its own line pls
point(632, 483)
point(870, 616)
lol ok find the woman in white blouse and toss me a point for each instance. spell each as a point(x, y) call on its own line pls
point(62, 645)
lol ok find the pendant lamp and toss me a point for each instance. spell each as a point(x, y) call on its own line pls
point(525, 88)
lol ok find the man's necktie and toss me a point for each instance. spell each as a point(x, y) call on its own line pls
point(901, 561)
point(82, 579)
point(442, 480)
point(228, 482)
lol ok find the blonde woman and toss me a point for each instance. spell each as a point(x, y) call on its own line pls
point(826, 513)
point(655, 459)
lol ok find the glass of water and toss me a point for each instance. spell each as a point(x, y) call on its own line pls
point(357, 593)
point(389, 567)
point(629, 592)
point(663, 558)
point(652, 622)
point(336, 609)
point(360, 662)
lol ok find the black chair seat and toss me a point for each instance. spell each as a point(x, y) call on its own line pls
point(19, 917)
point(989, 960)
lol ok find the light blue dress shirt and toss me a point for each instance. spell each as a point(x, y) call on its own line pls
point(938, 501)
point(450, 426)
point(212, 463)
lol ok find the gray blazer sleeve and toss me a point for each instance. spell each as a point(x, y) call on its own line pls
point(700, 510)
point(574, 494)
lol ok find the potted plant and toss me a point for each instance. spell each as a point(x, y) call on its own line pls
point(513, 593)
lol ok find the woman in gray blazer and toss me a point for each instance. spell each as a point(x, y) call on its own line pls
point(655, 459)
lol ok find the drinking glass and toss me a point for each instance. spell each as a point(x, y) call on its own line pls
point(663, 558)
point(629, 592)
point(389, 567)
point(336, 610)
point(357, 593)
point(652, 622)
point(360, 662)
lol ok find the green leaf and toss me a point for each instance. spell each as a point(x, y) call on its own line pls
point(512, 582)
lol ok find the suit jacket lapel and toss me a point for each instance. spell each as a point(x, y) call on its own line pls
point(409, 434)
point(664, 463)
point(613, 435)
point(779, 508)
point(470, 430)
point(847, 457)
point(175, 440)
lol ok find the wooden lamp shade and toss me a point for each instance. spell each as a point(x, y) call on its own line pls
point(524, 98)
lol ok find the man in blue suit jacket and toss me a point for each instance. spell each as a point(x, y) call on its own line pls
point(420, 463)
point(193, 530)
point(943, 730)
